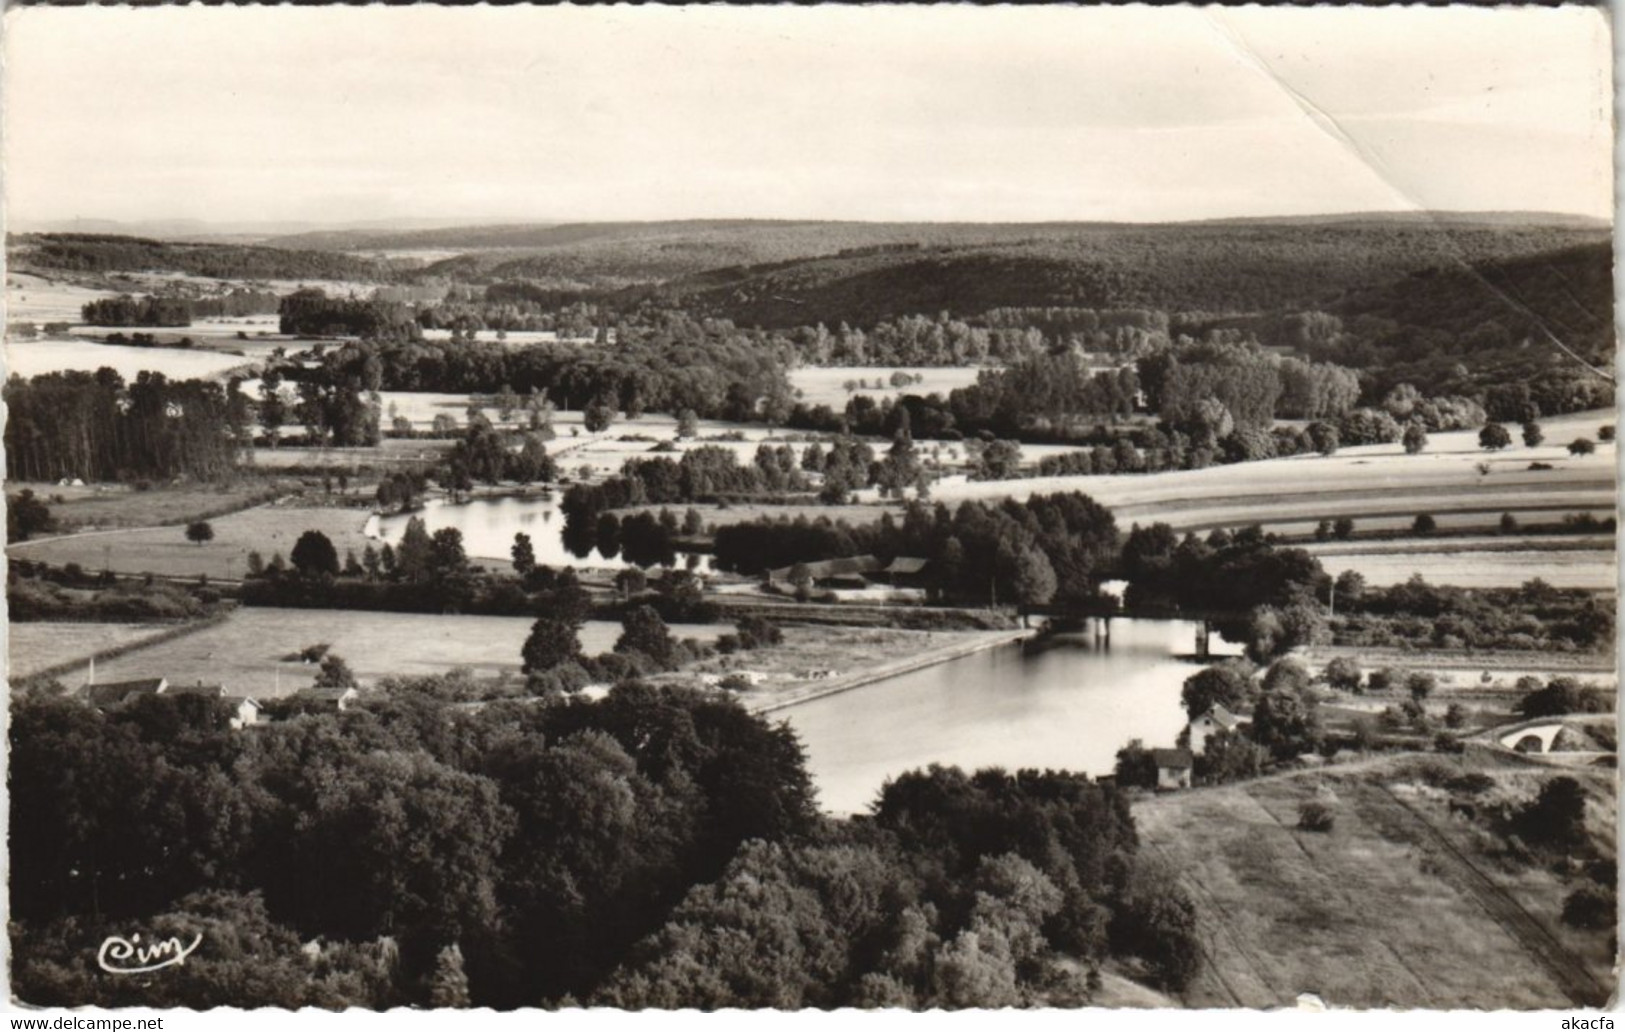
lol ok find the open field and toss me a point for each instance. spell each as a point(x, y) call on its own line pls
point(32, 647)
point(245, 653)
point(1595, 569)
point(109, 506)
point(35, 299)
point(30, 358)
point(1400, 904)
point(826, 385)
point(267, 529)
point(1463, 668)
point(389, 453)
point(264, 332)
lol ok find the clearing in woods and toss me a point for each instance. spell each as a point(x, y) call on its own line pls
point(1401, 904)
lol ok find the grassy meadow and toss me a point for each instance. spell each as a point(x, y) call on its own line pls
point(247, 652)
point(267, 529)
point(1401, 904)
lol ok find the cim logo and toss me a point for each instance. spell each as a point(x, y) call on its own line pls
point(121, 956)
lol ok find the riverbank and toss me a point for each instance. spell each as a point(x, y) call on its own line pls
point(958, 645)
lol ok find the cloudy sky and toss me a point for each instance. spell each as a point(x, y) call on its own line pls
point(347, 114)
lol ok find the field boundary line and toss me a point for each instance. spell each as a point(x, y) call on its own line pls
point(120, 651)
point(1342, 895)
point(1568, 971)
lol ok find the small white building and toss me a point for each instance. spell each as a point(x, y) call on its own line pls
point(244, 711)
point(1173, 768)
point(1210, 723)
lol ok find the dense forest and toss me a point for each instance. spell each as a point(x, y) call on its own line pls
point(669, 365)
point(95, 426)
point(659, 848)
point(1207, 267)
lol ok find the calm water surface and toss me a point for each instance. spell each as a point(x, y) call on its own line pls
point(489, 525)
point(1069, 706)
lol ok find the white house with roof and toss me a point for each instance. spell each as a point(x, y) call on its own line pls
point(1216, 719)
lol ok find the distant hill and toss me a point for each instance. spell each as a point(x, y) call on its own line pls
point(766, 272)
point(1569, 291)
point(1212, 267)
point(104, 253)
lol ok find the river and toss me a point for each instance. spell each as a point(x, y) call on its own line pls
point(1069, 705)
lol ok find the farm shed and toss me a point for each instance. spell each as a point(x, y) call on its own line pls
point(1173, 768)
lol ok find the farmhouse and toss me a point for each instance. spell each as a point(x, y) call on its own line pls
point(850, 573)
point(904, 571)
point(336, 699)
point(1173, 768)
point(1210, 723)
point(244, 710)
point(846, 572)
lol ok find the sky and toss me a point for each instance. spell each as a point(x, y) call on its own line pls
point(351, 114)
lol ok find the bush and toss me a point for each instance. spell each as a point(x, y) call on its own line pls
point(1343, 672)
point(1494, 437)
point(1384, 678)
point(1556, 818)
point(1316, 816)
point(1135, 766)
point(1473, 783)
point(1287, 674)
point(1421, 684)
point(1425, 524)
point(1591, 906)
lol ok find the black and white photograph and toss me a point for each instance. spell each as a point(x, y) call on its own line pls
point(613, 509)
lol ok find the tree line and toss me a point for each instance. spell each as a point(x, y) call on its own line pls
point(155, 310)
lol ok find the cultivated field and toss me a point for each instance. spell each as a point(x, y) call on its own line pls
point(267, 529)
point(1401, 904)
point(32, 647)
point(246, 652)
point(1595, 569)
point(826, 385)
point(35, 299)
point(390, 453)
point(109, 506)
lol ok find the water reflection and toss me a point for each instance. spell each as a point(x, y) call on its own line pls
point(489, 525)
point(1069, 706)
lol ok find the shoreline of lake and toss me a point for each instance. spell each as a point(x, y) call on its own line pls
point(920, 661)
